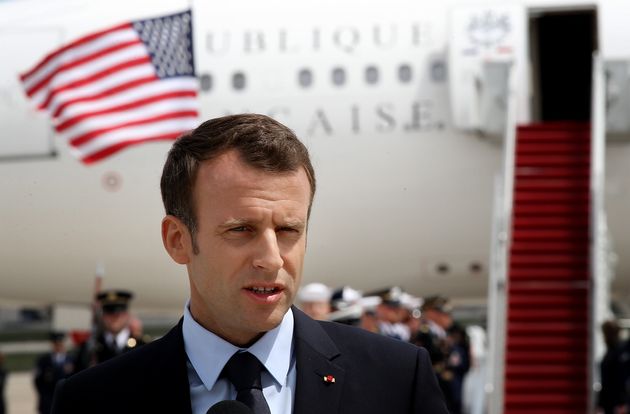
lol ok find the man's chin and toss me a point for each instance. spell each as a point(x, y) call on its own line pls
point(269, 321)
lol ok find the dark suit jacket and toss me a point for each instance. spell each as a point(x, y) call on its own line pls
point(373, 374)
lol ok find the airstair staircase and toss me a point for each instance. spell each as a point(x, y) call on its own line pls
point(547, 325)
point(552, 261)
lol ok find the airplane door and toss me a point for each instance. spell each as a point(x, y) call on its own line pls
point(562, 46)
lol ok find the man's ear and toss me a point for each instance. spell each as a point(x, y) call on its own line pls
point(176, 239)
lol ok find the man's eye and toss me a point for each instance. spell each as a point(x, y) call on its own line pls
point(288, 229)
point(239, 229)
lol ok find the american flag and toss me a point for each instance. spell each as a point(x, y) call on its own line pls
point(121, 86)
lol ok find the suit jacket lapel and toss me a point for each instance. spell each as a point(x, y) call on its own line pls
point(314, 353)
point(172, 391)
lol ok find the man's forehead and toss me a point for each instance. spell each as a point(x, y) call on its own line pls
point(230, 169)
point(229, 162)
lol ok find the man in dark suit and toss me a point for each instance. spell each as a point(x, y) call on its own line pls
point(238, 192)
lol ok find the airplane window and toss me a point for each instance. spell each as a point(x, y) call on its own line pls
point(476, 267)
point(438, 71)
point(238, 81)
point(338, 76)
point(305, 78)
point(404, 73)
point(205, 82)
point(442, 268)
point(371, 75)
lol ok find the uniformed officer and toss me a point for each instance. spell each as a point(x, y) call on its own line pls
point(345, 303)
point(432, 335)
point(50, 369)
point(458, 363)
point(117, 334)
point(390, 313)
point(314, 300)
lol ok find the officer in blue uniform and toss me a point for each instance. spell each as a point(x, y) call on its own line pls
point(50, 369)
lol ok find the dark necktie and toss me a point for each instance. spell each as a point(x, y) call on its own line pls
point(243, 370)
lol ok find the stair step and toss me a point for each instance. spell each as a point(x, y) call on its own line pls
point(549, 343)
point(550, 208)
point(521, 409)
point(544, 385)
point(552, 267)
point(543, 356)
point(550, 172)
point(543, 130)
point(547, 410)
point(545, 370)
point(547, 328)
point(577, 247)
point(556, 125)
point(553, 137)
point(556, 301)
point(551, 197)
point(531, 274)
point(551, 133)
point(548, 260)
point(559, 289)
point(577, 290)
point(550, 234)
point(552, 184)
point(524, 146)
point(551, 222)
point(544, 315)
point(582, 160)
point(552, 260)
point(546, 399)
point(544, 402)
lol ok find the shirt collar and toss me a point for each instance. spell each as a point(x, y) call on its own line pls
point(437, 329)
point(208, 353)
point(120, 339)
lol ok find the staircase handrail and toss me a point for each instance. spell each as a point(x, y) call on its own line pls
point(602, 256)
point(500, 246)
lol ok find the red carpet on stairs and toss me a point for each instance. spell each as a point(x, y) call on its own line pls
point(546, 367)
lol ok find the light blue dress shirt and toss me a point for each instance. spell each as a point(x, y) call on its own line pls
point(207, 355)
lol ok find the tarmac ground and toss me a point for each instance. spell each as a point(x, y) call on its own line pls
point(20, 394)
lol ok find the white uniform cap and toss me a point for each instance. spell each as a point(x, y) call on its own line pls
point(314, 292)
point(347, 296)
point(410, 302)
point(370, 303)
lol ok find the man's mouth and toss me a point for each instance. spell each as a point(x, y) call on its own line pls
point(263, 290)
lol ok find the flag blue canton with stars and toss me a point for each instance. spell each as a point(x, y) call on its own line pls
point(169, 42)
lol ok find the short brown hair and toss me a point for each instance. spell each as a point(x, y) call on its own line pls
point(261, 142)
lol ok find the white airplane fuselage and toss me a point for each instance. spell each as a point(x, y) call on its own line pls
point(403, 189)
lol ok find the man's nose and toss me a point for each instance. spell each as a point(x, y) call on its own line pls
point(267, 256)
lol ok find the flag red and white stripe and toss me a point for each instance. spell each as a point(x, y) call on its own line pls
point(121, 86)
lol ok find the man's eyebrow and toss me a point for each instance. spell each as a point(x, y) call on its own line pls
point(234, 223)
point(294, 224)
point(297, 224)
